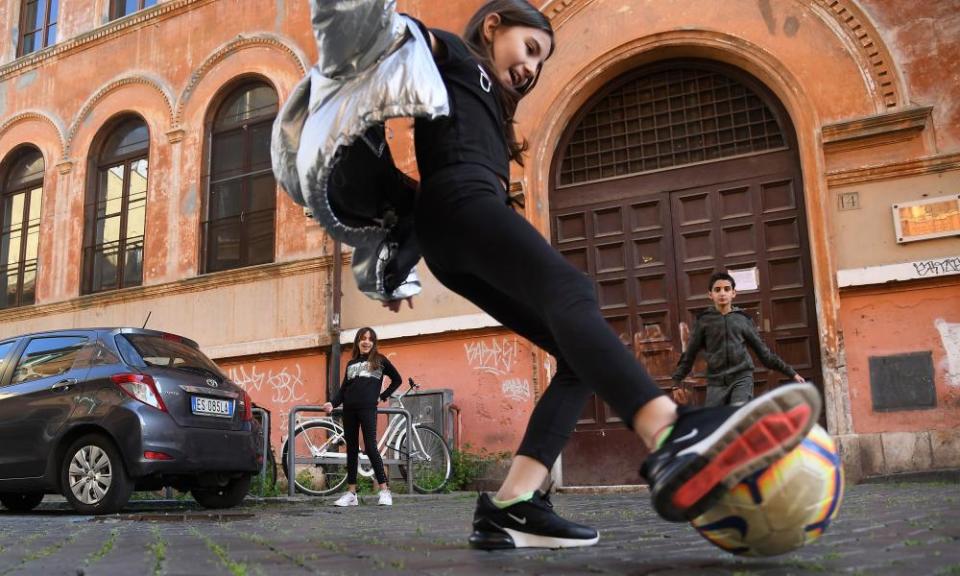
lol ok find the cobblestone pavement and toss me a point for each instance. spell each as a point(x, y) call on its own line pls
point(906, 528)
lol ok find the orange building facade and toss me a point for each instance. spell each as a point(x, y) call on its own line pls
point(812, 146)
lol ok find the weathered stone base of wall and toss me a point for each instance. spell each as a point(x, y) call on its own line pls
point(889, 453)
point(491, 476)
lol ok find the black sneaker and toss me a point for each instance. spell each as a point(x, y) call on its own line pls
point(530, 524)
point(710, 450)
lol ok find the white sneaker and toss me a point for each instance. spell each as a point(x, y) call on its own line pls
point(386, 498)
point(348, 499)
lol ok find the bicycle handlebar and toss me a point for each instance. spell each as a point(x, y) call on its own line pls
point(413, 386)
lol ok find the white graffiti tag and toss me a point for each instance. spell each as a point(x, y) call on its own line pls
point(516, 389)
point(494, 357)
point(950, 335)
point(286, 385)
point(248, 381)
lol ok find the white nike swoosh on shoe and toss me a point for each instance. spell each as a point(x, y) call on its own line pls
point(692, 434)
point(520, 521)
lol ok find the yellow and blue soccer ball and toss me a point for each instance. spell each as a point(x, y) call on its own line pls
point(781, 507)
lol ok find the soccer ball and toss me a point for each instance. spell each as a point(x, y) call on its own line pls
point(782, 507)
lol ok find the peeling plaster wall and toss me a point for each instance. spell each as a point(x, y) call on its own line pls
point(897, 322)
point(924, 38)
point(950, 365)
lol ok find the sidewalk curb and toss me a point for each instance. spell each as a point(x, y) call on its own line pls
point(598, 490)
point(948, 475)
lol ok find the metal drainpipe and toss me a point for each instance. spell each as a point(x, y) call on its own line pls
point(333, 371)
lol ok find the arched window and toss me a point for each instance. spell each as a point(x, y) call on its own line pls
point(242, 193)
point(38, 25)
point(667, 118)
point(20, 228)
point(115, 210)
point(120, 8)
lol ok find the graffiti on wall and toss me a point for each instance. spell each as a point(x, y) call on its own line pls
point(496, 356)
point(950, 336)
point(278, 385)
point(937, 267)
point(500, 356)
point(285, 385)
point(516, 389)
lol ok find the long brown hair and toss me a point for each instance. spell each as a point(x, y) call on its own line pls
point(512, 13)
point(374, 356)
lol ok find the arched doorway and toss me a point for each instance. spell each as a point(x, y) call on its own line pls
point(671, 172)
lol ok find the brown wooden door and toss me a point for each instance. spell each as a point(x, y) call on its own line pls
point(623, 245)
point(670, 174)
point(755, 226)
point(651, 252)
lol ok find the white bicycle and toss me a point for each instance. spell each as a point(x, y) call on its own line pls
point(320, 453)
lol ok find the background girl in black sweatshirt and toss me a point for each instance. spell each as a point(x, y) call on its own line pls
point(360, 393)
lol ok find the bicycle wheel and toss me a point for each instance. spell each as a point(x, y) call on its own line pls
point(320, 458)
point(430, 460)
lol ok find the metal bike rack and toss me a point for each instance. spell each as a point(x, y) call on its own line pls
point(265, 428)
point(291, 451)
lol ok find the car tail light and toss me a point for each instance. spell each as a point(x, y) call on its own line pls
point(151, 455)
point(247, 407)
point(172, 337)
point(140, 387)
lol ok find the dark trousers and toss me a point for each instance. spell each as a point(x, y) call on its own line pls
point(729, 391)
point(355, 420)
point(477, 246)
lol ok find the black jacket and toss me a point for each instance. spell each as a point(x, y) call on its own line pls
point(725, 338)
point(362, 382)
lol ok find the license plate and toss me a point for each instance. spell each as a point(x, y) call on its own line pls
point(211, 406)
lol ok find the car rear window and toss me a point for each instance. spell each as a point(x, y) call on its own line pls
point(150, 350)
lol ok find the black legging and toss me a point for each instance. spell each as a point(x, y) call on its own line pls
point(477, 246)
point(353, 421)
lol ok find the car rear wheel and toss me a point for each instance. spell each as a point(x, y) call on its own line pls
point(93, 477)
point(21, 502)
point(226, 496)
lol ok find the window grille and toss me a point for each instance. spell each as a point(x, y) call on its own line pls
point(666, 119)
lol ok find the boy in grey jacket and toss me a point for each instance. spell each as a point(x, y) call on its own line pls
point(724, 332)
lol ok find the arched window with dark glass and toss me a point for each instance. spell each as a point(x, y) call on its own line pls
point(20, 228)
point(121, 8)
point(115, 210)
point(38, 25)
point(242, 194)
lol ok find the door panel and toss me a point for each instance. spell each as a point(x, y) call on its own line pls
point(36, 402)
point(651, 258)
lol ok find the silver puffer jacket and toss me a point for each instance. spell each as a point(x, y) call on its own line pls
point(329, 147)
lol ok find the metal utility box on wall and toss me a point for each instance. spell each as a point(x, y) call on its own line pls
point(431, 408)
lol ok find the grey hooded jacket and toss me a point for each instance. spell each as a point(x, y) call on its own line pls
point(724, 339)
point(329, 146)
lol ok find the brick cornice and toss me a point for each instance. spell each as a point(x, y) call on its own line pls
point(103, 91)
point(233, 46)
point(560, 11)
point(867, 41)
point(34, 115)
point(917, 167)
point(133, 22)
point(850, 20)
point(876, 130)
point(201, 283)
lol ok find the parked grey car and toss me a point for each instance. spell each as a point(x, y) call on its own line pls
point(95, 414)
